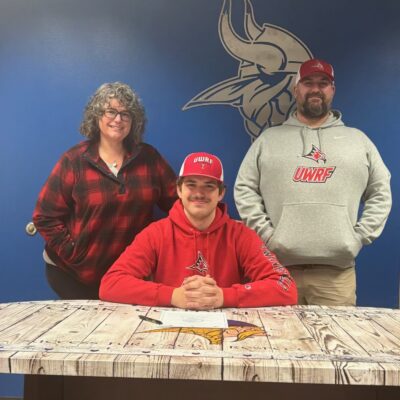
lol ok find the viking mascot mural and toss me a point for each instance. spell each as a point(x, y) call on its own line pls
point(269, 58)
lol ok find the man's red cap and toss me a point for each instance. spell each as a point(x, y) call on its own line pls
point(315, 66)
point(202, 164)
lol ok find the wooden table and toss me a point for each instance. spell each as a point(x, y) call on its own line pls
point(90, 346)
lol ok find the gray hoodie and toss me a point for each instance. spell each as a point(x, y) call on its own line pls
point(300, 189)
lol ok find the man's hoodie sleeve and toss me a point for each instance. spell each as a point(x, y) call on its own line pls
point(248, 199)
point(268, 282)
point(125, 281)
point(377, 197)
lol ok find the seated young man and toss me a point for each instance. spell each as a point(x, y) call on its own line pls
point(198, 257)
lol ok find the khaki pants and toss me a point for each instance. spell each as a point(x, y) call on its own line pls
point(324, 284)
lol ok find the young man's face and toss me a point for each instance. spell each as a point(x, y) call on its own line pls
point(200, 196)
point(314, 96)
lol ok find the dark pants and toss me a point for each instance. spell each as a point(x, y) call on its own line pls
point(67, 287)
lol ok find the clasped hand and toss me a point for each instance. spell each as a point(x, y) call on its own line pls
point(198, 293)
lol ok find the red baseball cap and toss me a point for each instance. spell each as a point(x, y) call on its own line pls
point(315, 66)
point(202, 164)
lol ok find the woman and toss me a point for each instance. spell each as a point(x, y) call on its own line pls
point(101, 193)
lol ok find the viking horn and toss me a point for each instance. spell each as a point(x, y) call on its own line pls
point(269, 56)
point(253, 30)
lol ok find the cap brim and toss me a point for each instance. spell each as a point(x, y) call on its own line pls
point(205, 175)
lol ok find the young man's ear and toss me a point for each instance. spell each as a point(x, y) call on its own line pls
point(179, 191)
point(222, 194)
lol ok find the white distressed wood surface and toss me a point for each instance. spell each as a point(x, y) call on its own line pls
point(300, 344)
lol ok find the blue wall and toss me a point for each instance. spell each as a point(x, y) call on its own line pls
point(54, 54)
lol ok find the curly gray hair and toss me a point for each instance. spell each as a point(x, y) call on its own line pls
point(100, 100)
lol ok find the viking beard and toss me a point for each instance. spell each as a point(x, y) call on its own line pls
point(314, 110)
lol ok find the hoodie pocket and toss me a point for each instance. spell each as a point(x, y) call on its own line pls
point(315, 231)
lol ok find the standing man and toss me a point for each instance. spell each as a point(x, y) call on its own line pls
point(300, 186)
point(198, 258)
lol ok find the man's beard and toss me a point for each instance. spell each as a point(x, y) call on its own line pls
point(314, 110)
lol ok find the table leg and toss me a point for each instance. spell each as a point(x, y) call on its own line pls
point(43, 387)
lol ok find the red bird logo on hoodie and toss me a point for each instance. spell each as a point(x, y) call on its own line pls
point(316, 155)
point(200, 265)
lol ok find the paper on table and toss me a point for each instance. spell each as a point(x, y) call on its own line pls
point(194, 319)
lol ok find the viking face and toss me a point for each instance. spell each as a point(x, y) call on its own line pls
point(269, 58)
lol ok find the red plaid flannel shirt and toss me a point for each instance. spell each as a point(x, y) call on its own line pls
point(87, 215)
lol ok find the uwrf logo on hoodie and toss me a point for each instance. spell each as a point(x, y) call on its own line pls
point(314, 174)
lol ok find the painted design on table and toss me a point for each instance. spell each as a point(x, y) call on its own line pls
point(236, 329)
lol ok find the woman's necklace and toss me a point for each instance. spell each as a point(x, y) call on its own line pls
point(118, 160)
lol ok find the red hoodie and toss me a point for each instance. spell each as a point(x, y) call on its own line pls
point(169, 250)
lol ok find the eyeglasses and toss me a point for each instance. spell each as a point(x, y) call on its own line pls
point(112, 114)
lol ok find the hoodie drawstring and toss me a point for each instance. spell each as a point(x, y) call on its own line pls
point(319, 134)
point(195, 245)
point(303, 138)
point(306, 146)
